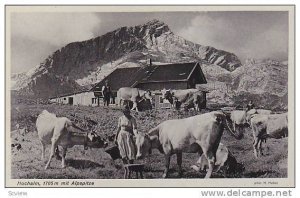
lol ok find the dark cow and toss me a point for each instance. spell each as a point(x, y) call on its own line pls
point(133, 94)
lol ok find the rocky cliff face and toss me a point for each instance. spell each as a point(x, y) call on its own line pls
point(261, 76)
point(80, 60)
point(263, 81)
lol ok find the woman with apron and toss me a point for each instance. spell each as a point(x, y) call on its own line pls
point(127, 128)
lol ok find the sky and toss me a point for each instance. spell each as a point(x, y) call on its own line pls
point(259, 35)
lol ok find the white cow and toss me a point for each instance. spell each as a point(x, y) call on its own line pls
point(188, 97)
point(241, 118)
point(61, 131)
point(133, 94)
point(176, 136)
point(268, 126)
point(252, 112)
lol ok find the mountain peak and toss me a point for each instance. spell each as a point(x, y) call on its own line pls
point(156, 25)
point(155, 22)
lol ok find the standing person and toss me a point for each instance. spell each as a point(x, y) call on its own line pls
point(250, 105)
point(127, 128)
point(177, 104)
point(113, 96)
point(106, 91)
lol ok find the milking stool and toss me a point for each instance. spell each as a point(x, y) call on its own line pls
point(137, 168)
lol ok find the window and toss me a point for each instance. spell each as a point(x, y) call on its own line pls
point(94, 100)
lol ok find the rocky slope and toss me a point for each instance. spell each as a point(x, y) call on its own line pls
point(72, 64)
point(263, 81)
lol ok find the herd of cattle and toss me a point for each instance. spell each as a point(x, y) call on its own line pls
point(188, 98)
point(197, 134)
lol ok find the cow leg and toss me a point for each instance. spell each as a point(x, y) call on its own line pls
point(141, 174)
point(52, 151)
point(167, 165)
point(260, 147)
point(135, 106)
point(126, 173)
point(196, 106)
point(255, 146)
point(57, 153)
point(129, 174)
point(43, 150)
point(211, 158)
point(179, 163)
point(63, 159)
point(137, 174)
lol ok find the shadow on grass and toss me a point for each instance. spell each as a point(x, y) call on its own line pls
point(43, 175)
point(82, 164)
point(152, 170)
point(258, 174)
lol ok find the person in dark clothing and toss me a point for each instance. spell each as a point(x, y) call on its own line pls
point(113, 101)
point(106, 91)
point(177, 104)
point(250, 105)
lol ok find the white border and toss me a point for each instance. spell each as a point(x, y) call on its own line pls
point(174, 193)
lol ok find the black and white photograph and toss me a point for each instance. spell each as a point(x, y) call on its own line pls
point(149, 96)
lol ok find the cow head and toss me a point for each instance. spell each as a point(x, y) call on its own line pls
point(95, 141)
point(249, 115)
point(143, 145)
point(238, 134)
point(148, 96)
point(167, 94)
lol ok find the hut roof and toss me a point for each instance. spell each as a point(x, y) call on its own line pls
point(130, 77)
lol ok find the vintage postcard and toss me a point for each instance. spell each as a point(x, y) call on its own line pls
point(150, 96)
